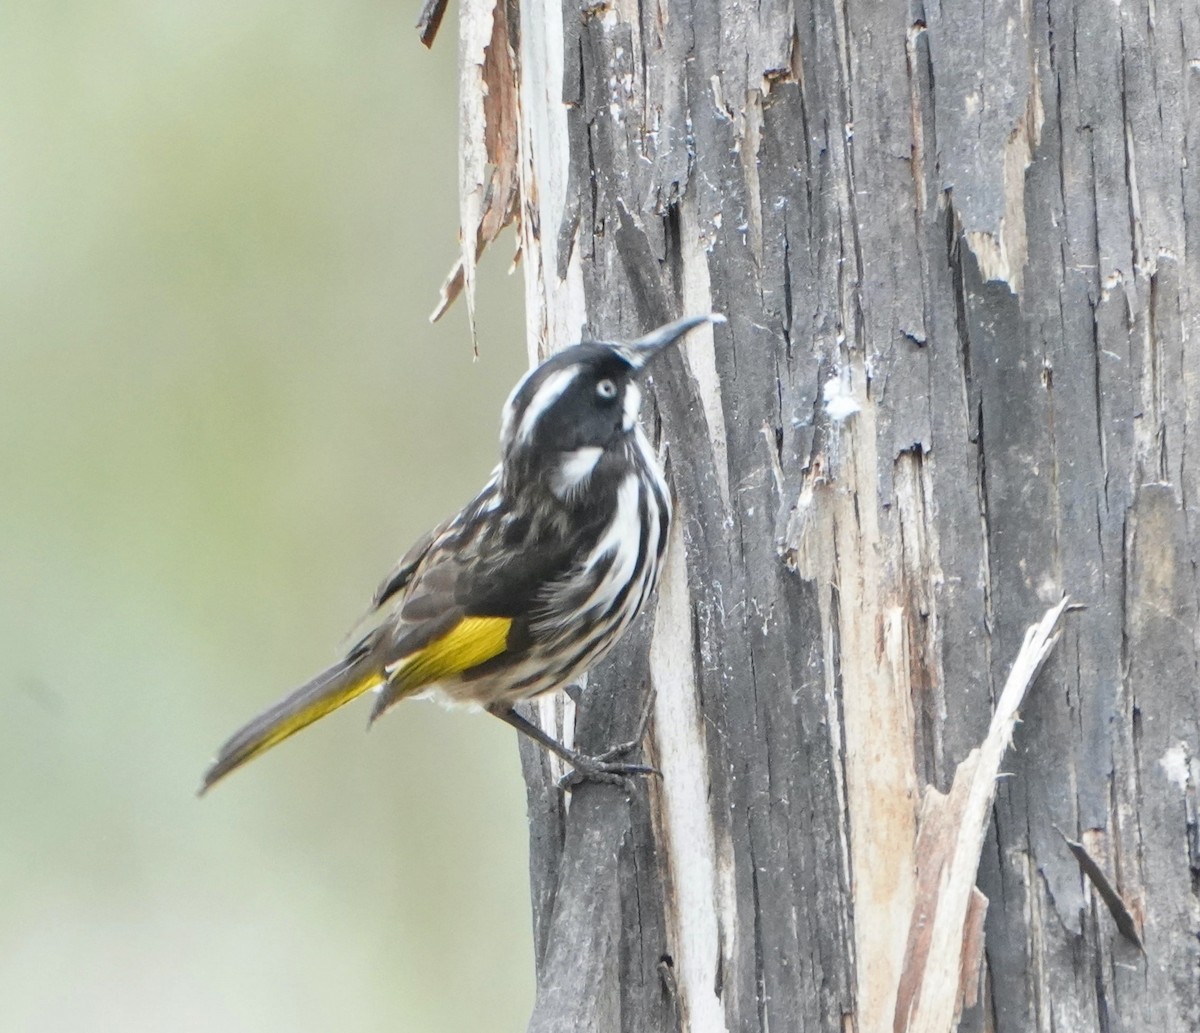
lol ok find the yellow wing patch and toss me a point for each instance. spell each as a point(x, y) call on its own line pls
point(471, 642)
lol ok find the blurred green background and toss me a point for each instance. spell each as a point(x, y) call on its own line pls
point(223, 415)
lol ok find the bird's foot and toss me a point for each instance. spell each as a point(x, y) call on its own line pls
point(606, 767)
point(609, 766)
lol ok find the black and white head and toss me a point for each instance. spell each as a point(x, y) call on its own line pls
point(579, 406)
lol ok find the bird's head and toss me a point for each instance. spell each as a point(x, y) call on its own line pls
point(579, 405)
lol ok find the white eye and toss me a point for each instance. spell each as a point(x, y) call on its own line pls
point(607, 390)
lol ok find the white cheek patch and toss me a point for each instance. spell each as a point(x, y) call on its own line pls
point(632, 405)
point(552, 389)
point(574, 470)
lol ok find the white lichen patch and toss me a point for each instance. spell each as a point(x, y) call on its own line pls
point(1176, 765)
point(840, 402)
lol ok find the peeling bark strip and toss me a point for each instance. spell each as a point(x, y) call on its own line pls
point(949, 842)
point(696, 908)
point(956, 244)
point(430, 20)
point(487, 155)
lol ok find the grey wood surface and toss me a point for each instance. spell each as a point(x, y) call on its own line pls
point(978, 221)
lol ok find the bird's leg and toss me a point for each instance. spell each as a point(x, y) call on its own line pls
point(601, 768)
point(643, 723)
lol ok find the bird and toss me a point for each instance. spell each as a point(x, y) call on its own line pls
point(530, 583)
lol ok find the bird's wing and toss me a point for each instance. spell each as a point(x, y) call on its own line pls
point(470, 600)
point(448, 533)
point(401, 574)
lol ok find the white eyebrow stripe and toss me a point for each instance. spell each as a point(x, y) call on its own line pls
point(552, 389)
point(506, 414)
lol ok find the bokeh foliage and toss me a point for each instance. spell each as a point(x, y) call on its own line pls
point(222, 416)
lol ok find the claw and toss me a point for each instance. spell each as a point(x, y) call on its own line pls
point(593, 769)
point(601, 768)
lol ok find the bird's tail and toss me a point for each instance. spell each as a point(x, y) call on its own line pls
point(326, 692)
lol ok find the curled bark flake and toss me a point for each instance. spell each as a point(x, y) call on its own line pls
point(489, 166)
point(1113, 900)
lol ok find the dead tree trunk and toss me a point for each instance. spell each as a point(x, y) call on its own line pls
point(957, 249)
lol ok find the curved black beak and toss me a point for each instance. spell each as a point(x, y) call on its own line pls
point(642, 350)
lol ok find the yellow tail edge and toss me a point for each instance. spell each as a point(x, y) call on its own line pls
point(325, 693)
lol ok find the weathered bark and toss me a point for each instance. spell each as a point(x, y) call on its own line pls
point(957, 250)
